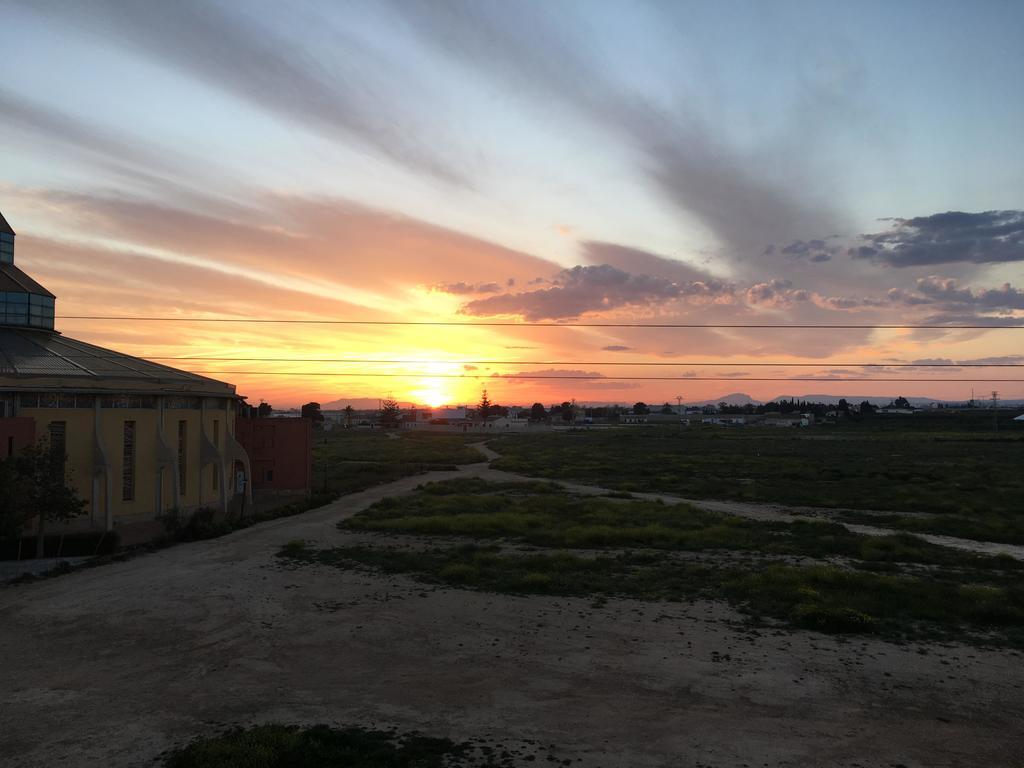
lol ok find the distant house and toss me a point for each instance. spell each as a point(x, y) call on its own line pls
point(632, 418)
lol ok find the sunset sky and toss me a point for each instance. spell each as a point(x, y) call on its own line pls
point(543, 162)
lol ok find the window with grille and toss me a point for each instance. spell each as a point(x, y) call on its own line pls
point(182, 455)
point(57, 432)
point(128, 465)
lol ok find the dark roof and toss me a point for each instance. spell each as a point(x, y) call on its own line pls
point(14, 280)
point(4, 226)
point(67, 364)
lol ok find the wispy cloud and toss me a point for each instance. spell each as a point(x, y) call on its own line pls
point(352, 97)
point(539, 50)
point(598, 288)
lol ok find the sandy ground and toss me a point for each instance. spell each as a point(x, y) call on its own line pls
point(111, 666)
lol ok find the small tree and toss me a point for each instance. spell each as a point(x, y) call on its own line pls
point(32, 486)
point(484, 409)
point(390, 413)
point(565, 411)
point(311, 411)
point(641, 408)
point(666, 409)
point(537, 412)
point(348, 416)
point(264, 409)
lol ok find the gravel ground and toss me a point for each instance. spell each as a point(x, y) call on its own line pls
point(113, 665)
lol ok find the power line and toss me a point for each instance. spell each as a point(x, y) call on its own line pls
point(584, 377)
point(741, 364)
point(506, 324)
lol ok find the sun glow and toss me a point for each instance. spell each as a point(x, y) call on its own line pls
point(431, 392)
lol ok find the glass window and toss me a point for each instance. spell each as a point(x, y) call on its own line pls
point(128, 462)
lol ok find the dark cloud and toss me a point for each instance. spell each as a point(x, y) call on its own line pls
point(810, 250)
point(640, 261)
point(776, 292)
point(971, 318)
point(949, 291)
point(616, 348)
point(903, 296)
point(989, 237)
point(235, 52)
point(597, 288)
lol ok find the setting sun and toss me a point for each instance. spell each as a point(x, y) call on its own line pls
point(431, 392)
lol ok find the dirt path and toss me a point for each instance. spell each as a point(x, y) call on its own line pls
point(110, 666)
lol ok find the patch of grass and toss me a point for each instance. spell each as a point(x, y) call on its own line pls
point(347, 461)
point(952, 467)
point(320, 746)
point(949, 605)
point(544, 514)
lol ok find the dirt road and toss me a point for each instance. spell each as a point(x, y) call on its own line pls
point(110, 666)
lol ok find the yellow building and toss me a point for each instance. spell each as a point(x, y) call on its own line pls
point(141, 439)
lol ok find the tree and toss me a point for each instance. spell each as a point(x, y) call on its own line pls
point(264, 409)
point(641, 408)
point(867, 408)
point(666, 409)
point(348, 416)
point(568, 411)
point(32, 486)
point(311, 411)
point(390, 413)
point(843, 405)
point(484, 409)
point(901, 402)
point(537, 412)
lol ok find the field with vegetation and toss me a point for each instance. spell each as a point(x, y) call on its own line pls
point(534, 538)
point(966, 478)
point(346, 461)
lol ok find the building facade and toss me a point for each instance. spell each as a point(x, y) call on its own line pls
point(141, 440)
point(280, 451)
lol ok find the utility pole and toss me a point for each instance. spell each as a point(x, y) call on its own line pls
point(995, 413)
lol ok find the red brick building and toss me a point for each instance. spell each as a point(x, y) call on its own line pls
point(16, 432)
point(280, 452)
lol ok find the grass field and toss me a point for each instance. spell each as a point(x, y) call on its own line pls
point(346, 461)
point(535, 538)
point(972, 477)
point(950, 605)
point(545, 515)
